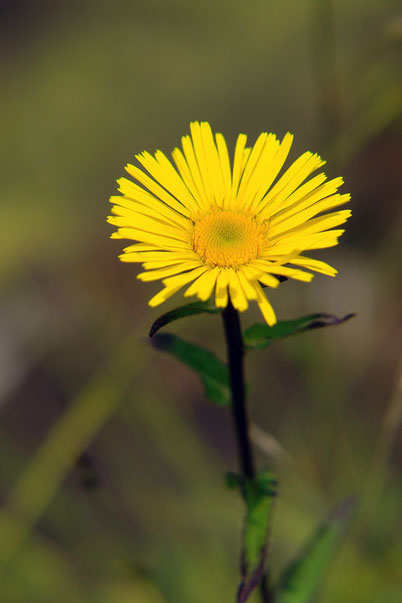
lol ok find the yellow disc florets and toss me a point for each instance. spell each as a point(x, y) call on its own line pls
point(228, 238)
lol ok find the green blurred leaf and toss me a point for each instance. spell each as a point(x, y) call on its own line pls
point(301, 578)
point(213, 372)
point(182, 312)
point(259, 495)
point(233, 480)
point(259, 336)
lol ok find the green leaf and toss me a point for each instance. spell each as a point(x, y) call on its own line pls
point(301, 578)
point(182, 312)
point(259, 336)
point(233, 480)
point(259, 495)
point(213, 372)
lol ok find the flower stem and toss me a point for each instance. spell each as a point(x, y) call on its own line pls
point(235, 351)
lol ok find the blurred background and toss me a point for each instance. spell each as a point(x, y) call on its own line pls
point(111, 459)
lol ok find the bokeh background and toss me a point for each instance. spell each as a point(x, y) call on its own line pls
point(111, 459)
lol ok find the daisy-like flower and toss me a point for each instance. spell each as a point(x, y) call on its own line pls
point(211, 226)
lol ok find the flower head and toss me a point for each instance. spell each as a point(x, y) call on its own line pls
point(211, 226)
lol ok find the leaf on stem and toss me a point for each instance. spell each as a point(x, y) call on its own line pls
point(259, 336)
point(300, 580)
point(212, 371)
point(182, 312)
point(259, 495)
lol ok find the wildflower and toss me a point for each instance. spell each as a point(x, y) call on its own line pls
point(227, 229)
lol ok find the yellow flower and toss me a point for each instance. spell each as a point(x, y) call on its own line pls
point(229, 229)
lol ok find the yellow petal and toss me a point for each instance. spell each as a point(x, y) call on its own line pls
point(134, 192)
point(273, 268)
point(149, 237)
point(252, 161)
point(305, 195)
point(141, 247)
point(199, 151)
point(163, 171)
point(323, 240)
point(163, 295)
point(312, 226)
point(257, 185)
point(194, 169)
point(264, 305)
point(164, 264)
point(153, 257)
point(301, 217)
point(237, 167)
point(221, 291)
point(162, 273)
point(188, 178)
point(248, 289)
point(185, 278)
point(225, 168)
point(319, 240)
point(141, 222)
point(148, 259)
point(236, 292)
point(254, 273)
point(157, 190)
point(291, 179)
point(204, 285)
point(316, 265)
point(272, 171)
point(128, 207)
point(212, 163)
point(173, 284)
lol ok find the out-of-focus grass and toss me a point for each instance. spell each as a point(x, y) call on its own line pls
point(72, 433)
point(144, 515)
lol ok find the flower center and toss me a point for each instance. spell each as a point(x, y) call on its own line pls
point(228, 238)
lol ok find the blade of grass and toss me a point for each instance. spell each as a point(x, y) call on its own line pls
point(302, 578)
point(79, 425)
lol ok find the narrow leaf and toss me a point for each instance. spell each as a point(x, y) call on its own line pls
point(259, 336)
point(302, 577)
point(259, 495)
point(211, 370)
point(182, 312)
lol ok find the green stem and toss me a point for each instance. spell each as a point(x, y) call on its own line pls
point(235, 351)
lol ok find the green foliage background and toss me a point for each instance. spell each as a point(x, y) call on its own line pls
point(111, 460)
